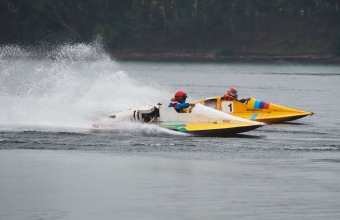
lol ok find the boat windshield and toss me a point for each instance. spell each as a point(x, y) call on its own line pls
point(212, 103)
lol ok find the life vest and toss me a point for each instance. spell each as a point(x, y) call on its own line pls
point(227, 97)
point(174, 103)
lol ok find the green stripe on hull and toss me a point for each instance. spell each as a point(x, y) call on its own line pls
point(179, 127)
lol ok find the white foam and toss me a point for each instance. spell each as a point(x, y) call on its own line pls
point(69, 87)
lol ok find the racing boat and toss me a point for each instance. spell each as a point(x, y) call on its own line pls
point(201, 120)
point(255, 110)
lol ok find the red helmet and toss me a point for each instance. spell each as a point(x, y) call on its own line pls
point(180, 96)
point(233, 92)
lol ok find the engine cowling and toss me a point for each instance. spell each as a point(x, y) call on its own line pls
point(146, 114)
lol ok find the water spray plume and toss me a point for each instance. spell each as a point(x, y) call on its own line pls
point(69, 87)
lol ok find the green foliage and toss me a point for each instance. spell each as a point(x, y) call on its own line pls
point(226, 51)
point(337, 44)
point(105, 31)
point(296, 47)
point(180, 24)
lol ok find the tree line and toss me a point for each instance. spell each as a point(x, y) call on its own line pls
point(174, 23)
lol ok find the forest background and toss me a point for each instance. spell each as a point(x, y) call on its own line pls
point(218, 27)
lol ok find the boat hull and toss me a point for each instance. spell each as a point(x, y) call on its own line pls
point(256, 110)
point(202, 121)
point(212, 130)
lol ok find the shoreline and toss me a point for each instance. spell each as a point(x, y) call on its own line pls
point(214, 56)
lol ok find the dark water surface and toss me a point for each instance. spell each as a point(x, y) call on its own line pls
point(53, 166)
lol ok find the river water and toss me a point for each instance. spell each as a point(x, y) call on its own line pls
point(54, 166)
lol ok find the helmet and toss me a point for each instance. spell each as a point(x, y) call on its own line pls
point(233, 92)
point(181, 96)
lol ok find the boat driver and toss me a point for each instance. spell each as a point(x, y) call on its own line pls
point(178, 102)
point(232, 95)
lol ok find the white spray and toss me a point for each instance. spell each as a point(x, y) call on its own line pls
point(68, 87)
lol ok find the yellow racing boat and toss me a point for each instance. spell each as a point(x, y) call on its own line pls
point(255, 110)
